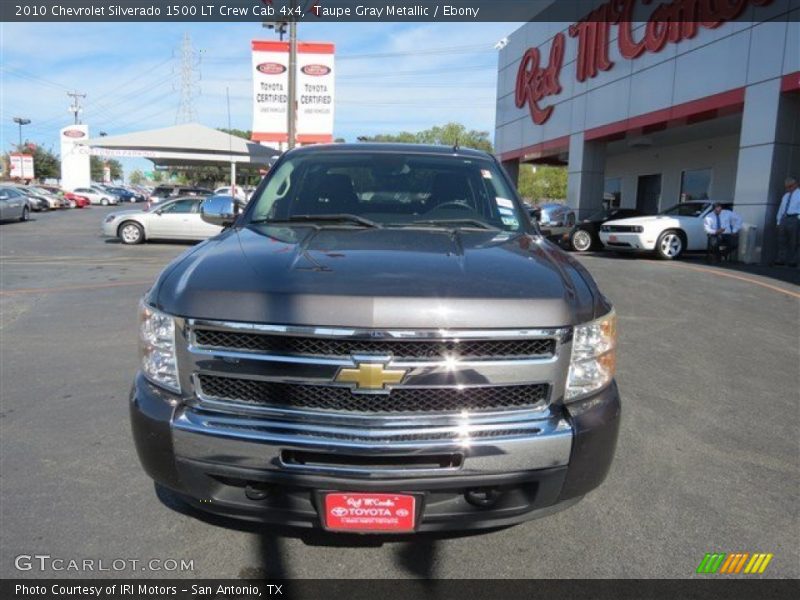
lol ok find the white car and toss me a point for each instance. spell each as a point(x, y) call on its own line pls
point(668, 234)
point(96, 197)
point(226, 191)
point(177, 219)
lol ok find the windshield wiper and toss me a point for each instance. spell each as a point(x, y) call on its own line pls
point(337, 218)
point(456, 222)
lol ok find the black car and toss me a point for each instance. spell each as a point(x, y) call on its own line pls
point(584, 235)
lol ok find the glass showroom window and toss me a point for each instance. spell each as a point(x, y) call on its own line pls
point(612, 194)
point(695, 185)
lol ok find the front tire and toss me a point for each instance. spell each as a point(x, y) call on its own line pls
point(26, 214)
point(131, 233)
point(670, 245)
point(104, 202)
point(581, 241)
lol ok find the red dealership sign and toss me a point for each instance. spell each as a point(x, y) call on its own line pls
point(669, 23)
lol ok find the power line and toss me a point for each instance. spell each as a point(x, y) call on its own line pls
point(464, 49)
point(75, 107)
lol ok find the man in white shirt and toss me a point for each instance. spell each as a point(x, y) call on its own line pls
point(788, 224)
point(722, 227)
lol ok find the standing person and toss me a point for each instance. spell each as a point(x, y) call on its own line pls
point(722, 227)
point(788, 224)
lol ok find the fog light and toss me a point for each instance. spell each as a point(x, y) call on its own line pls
point(482, 497)
point(257, 491)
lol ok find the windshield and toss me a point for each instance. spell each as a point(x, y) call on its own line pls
point(390, 190)
point(687, 209)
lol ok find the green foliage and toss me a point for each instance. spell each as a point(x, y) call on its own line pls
point(449, 134)
point(242, 133)
point(45, 163)
point(136, 177)
point(542, 182)
point(96, 168)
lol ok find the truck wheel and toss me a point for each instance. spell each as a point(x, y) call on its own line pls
point(26, 214)
point(670, 245)
point(131, 233)
point(581, 241)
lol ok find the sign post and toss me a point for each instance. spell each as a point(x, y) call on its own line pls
point(75, 169)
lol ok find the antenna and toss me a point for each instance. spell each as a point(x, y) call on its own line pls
point(188, 76)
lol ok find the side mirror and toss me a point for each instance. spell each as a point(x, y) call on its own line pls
point(218, 210)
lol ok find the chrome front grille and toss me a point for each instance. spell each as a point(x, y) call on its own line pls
point(472, 393)
point(398, 400)
point(399, 349)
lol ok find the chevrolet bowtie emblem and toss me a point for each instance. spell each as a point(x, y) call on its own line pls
point(370, 376)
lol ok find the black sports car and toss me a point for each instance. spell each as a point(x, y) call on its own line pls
point(583, 236)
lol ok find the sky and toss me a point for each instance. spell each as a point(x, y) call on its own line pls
point(389, 77)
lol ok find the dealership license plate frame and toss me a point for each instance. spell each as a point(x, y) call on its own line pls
point(416, 514)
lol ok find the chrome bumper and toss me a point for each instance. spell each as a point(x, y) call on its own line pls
point(475, 445)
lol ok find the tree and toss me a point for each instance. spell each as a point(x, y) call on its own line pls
point(136, 177)
point(449, 134)
point(46, 164)
point(96, 165)
point(542, 182)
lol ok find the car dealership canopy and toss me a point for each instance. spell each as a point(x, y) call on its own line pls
point(190, 144)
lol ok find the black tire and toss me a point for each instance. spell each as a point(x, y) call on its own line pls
point(26, 214)
point(130, 233)
point(670, 244)
point(581, 241)
point(104, 201)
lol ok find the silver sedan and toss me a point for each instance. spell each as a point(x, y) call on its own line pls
point(177, 219)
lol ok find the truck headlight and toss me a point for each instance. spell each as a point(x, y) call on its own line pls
point(594, 357)
point(157, 347)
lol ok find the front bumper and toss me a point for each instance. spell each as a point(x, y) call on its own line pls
point(110, 229)
point(632, 242)
point(535, 474)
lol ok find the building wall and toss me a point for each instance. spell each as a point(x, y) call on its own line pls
point(719, 154)
point(749, 67)
point(734, 55)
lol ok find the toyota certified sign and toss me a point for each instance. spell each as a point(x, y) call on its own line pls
point(74, 133)
point(316, 70)
point(314, 89)
point(271, 68)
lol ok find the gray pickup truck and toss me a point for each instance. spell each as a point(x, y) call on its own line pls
point(381, 342)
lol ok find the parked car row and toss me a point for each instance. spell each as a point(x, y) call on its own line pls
point(668, 234)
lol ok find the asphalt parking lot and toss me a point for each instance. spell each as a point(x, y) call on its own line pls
point(707, 458)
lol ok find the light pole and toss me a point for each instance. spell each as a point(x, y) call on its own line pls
point(20, 121)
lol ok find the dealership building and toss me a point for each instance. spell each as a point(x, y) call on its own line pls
point(652, 104)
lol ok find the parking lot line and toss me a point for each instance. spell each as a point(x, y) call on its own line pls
point(739, 277)
point(70, 288)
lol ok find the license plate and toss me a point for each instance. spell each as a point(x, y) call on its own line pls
point(369, 512)
point(612, 238)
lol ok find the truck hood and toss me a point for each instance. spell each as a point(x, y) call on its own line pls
point(377, 278)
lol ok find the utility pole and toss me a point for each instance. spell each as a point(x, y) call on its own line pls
point(189, 61)
point(291, 113)
point(75, 107)
point(20, 121)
